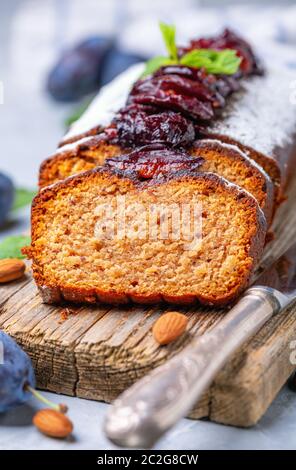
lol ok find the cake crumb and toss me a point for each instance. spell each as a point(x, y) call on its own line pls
point(65, 313)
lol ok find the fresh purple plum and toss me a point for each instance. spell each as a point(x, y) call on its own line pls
point(6, 197)
point(117, 62)
point(78, 71)
point(16, 371)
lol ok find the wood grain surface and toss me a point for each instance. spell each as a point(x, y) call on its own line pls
point(98, 352)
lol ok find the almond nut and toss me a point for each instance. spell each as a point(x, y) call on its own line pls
point(11, 269)
point(53, 423)
point(169, 327)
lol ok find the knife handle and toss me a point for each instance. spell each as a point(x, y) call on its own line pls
point(148, 409)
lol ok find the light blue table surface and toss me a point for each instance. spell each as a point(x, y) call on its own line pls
point(30, 126)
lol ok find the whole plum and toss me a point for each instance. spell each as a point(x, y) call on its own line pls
point(16, 371)
point(6, 197)
point(116, 62)
point(78, 71)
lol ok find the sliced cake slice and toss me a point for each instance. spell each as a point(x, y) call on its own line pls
point(233, 164)
point(79, 255)
point(76, 157)
point(224, 159)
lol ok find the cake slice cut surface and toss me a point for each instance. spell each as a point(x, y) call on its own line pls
point(71, 262)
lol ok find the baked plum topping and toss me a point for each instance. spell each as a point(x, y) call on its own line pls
point(140, 125)
point(187, 72)
point(170, 83)
point(187, 105)
point(227, 84)
point(192, 73)
point(154, 161)
point(220, 85)
point(110, 134)
point(174, 105)
point(229, 40)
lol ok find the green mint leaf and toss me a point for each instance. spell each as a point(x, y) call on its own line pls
point(11, 247)
point(216, 62)
point(23, 197)
point(169, 37)
point(197, 58)
point(155, 63)
point(229, 61)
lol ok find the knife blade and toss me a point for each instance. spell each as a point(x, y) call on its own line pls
point(154, 404)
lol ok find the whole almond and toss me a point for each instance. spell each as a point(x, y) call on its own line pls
point(11, 269)
point(53, 423)
point(169, 327)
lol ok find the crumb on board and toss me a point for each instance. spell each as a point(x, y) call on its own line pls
point(65, 313)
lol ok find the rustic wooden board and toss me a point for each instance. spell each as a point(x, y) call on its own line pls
point(97, 352)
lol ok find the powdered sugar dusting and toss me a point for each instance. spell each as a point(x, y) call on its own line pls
point(243, 154)
point(262, 115)
point(72, 146)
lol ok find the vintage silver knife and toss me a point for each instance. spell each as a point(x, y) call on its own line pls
point(154, 404)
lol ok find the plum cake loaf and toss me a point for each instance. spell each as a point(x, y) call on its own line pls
point(211, 130)
point(263, 129)
point(78, 256)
